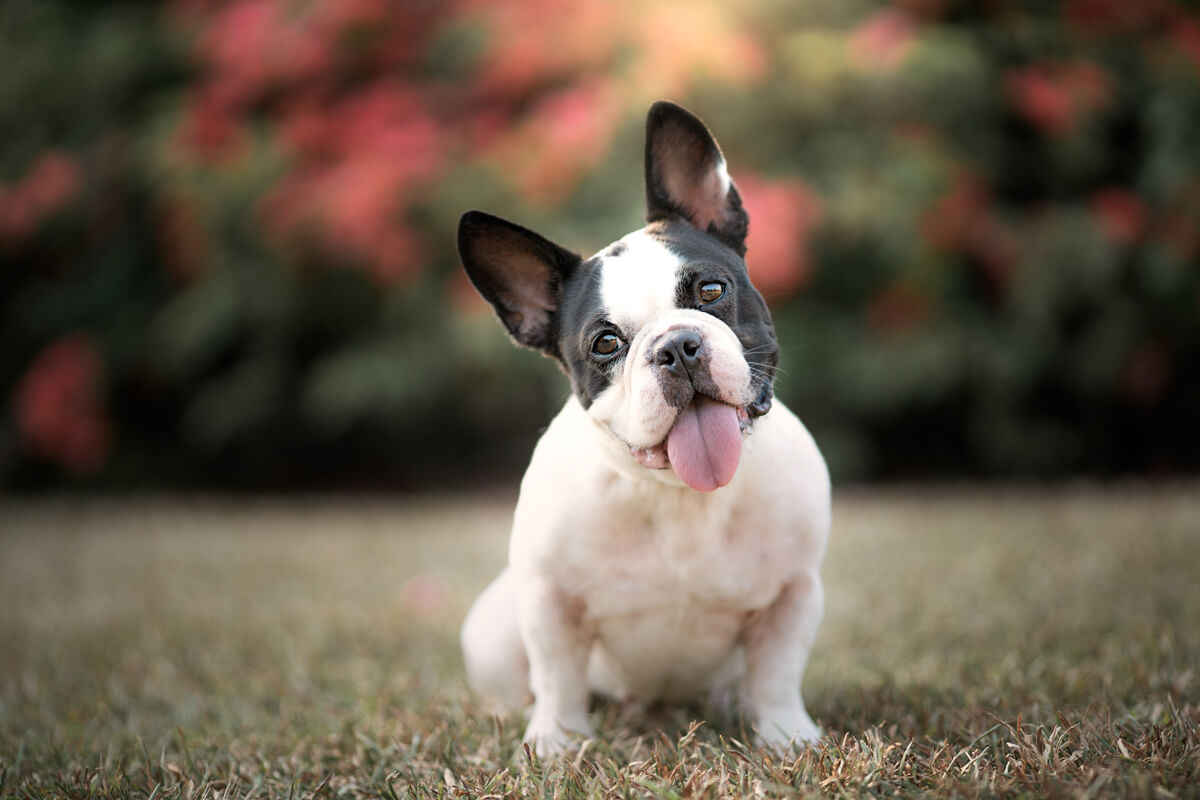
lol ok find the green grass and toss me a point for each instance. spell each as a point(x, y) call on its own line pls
point(975, 643)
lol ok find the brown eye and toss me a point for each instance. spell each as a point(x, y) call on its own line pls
point(606, 344)
point(711, 292)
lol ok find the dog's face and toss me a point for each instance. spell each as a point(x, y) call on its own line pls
point(667, 343)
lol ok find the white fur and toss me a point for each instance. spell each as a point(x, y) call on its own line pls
point(638, 290)
point(639, 283)
point(623, 580)
point(619, 583)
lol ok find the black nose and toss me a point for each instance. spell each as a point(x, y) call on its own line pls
point(680, 353)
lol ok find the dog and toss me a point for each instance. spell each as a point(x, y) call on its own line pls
point(668, 536)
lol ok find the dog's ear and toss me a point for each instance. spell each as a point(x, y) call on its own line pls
point(519, 272)
point(686, 176)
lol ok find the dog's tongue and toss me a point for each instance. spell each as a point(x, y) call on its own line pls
point(705, 444)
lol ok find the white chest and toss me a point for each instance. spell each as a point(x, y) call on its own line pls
point(674, 553)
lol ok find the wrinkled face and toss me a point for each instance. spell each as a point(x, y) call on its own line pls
point(656, 321)
point(667, 344)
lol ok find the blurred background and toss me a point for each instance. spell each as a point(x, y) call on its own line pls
point(227, 228)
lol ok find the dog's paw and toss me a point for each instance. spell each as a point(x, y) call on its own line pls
point(787, 728)
point(548, 737)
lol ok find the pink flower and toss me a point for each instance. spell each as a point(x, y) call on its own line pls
point(535, 43)
point(59, 405)
point(352, 212)
point(239, 46)
point(882, 40)
point(783, 215)
point(358, 165)
point(391, 122)
point(566, 134)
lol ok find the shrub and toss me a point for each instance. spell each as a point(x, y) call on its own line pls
point(226, 232)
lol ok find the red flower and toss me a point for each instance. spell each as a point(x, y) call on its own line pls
point(949, 222)
point(50, 185)
point(1185, 32)
point(211, 130)
point(566, 134)
point(1040, 99)
point(1054, 97)
point(1180, 226)
point(783, 215)
point(1110, 16)
point(358, 165)
point(1121, 213)
point(53, 182)
point(962, 221)
point(59, 405)
point(882, 40)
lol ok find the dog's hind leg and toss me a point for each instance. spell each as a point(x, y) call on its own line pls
point(497, 667)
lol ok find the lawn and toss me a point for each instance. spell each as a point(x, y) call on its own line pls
point(976, 642)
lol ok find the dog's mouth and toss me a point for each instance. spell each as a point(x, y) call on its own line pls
point(704, 445)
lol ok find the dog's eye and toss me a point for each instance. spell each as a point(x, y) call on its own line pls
point(711, 292)
point(606, 344)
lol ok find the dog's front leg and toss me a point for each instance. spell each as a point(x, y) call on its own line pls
point(558, 647)
point(777, 641)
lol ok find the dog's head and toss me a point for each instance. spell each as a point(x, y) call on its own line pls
point(667, 343)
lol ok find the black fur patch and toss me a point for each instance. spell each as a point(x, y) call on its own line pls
point(742, 308)
point(581, 319)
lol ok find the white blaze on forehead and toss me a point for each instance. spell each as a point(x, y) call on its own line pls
point(639, 283)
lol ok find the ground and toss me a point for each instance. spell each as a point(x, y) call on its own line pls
point(976, 642)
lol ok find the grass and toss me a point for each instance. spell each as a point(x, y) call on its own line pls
point(1038, 643)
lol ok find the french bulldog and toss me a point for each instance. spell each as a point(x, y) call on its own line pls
point(670, 528)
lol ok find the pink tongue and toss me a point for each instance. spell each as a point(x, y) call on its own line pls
point(705, 444)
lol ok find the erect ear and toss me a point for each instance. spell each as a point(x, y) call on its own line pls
point(519, 272)
point(685, 176)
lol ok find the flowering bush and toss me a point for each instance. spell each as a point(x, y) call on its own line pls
point(226, 250)
point(60, 406)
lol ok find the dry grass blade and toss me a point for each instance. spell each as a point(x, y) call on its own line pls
point(1021, 643)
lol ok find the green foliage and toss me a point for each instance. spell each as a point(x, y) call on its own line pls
point(978, 227)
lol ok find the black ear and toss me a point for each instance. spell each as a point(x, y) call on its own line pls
point(519, 272)
point(686, 177)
